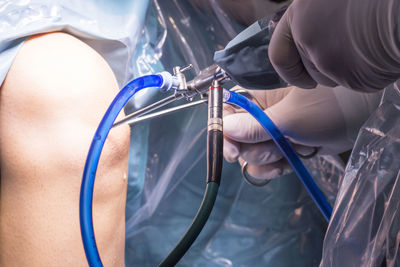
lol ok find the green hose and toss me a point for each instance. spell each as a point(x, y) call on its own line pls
point(195, 228)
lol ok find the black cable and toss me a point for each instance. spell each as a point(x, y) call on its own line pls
point(195, 228)
point(214, 170)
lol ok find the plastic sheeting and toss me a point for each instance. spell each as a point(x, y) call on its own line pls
point(365, 225)
point(245, 58)
point(276, 225)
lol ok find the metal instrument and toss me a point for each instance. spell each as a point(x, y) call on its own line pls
point(186, 90)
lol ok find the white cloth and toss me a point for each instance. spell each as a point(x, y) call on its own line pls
point(112, 28)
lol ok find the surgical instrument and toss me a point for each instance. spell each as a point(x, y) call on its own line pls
point(165, 82)
point(198, 86)
point(214, 169)
point(128, 119)
point(252, 181)
point(164, 112)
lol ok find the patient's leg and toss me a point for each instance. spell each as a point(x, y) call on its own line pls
point(51, 102)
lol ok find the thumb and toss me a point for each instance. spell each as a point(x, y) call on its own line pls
point(242, 127)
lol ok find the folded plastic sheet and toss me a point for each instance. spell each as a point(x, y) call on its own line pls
point(365, 225)
point(276, 225)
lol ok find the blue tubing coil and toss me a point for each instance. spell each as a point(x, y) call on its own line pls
point(92, 160)
point(286, 148)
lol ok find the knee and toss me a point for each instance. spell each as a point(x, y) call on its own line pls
point(54, 96)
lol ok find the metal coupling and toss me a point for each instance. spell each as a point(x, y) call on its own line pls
point(180, 76)
point(201, 83)
point(215, 96)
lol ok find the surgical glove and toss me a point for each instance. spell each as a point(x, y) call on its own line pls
point(325, 118)
point(353, 43)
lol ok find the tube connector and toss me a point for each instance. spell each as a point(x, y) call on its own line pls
point(226, 95)
point(170, 82)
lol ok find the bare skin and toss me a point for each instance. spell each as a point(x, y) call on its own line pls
point(51, 102)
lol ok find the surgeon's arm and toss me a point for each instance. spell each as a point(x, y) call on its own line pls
point(51, 102)
point(353, 43)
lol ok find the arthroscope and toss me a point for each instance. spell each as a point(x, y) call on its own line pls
point(206, 83)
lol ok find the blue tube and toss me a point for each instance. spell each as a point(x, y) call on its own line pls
point(285, 147)
point(92, 160)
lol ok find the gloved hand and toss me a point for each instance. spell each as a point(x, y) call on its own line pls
point(353, 43)
point(324, 118)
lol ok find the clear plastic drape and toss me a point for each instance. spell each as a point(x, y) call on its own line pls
point(365, 225)
point(275, 225)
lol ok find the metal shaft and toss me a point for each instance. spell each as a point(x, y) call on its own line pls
point(148, 109)
point(215, 106)
point(166, 111)
point(215, 137)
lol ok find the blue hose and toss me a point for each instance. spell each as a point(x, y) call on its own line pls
point(285, 147)
point(92, 160)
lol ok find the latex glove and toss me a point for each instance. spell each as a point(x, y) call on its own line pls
point(324, 118)
point(353, 43)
